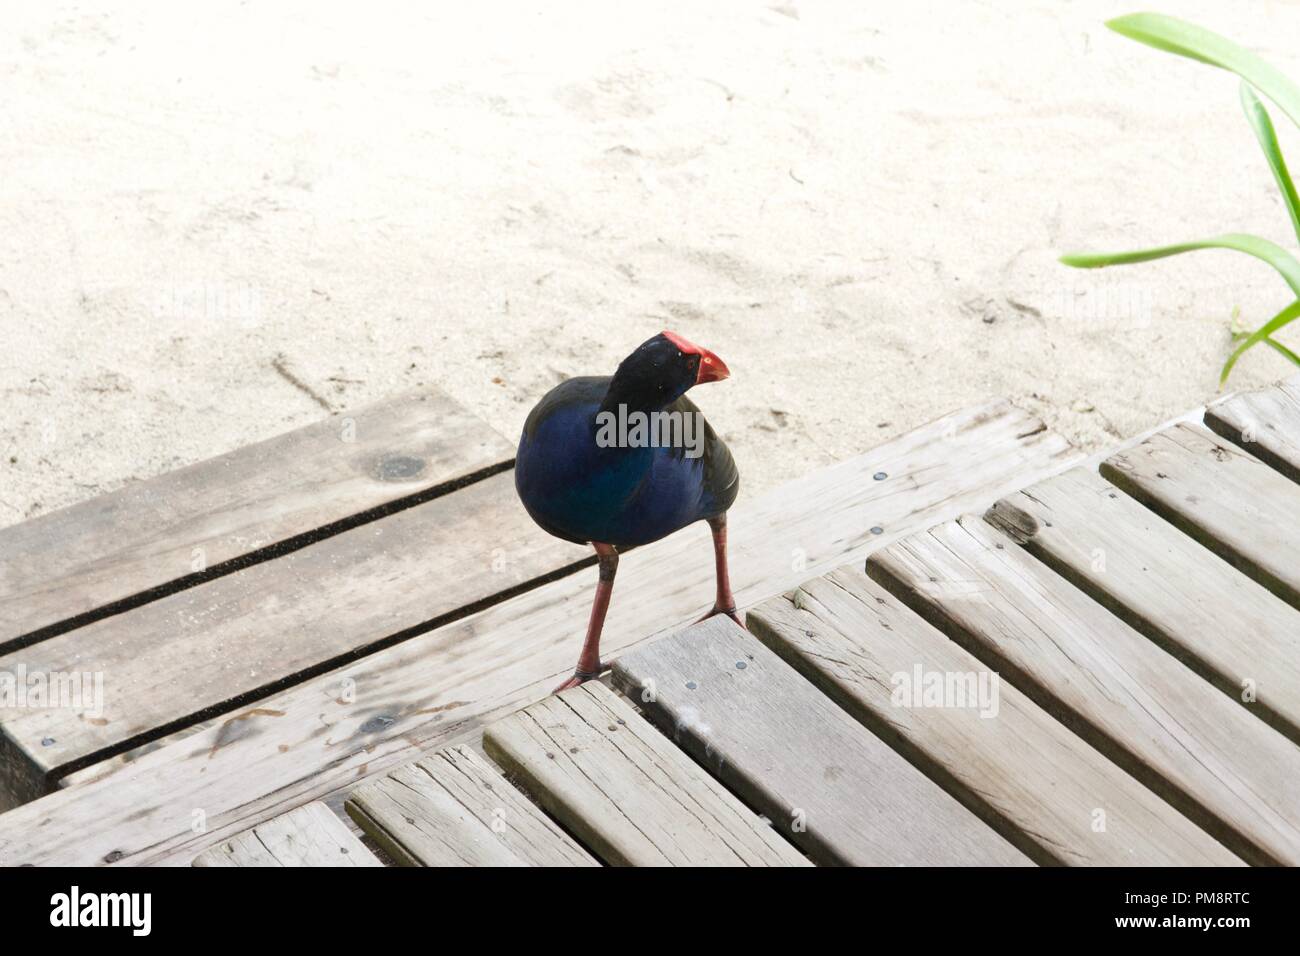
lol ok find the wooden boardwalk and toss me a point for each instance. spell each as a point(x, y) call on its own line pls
point(965, 647)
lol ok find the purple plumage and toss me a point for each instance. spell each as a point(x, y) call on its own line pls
point(623, 460)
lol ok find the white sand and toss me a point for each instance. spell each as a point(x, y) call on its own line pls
point(858, 209)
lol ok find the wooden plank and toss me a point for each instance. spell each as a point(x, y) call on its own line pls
point(206, 649)
point(426, 693)
point(308, 836)
point(1228, 500)
point(74, 564)
point(835, 789)
point(454, 809)
point(1230, 773)
point(1008, 761)
point(1265, 423)
point(1232, 631)
point(627, 792)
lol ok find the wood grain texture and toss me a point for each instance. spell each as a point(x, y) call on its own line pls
point(838, 515)
point(454, 809)
point(314, 739)
point(188, 523)
point(1265, 423)
point(1232, 631)
point(311, 835)
point(1231, 502)
point(193, 653)
point(1006, 759)
point(627, 792)
point(1230, 773)
point(835, 789)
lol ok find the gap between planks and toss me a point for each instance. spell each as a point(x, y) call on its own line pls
point(832, 787)
point(452, 808)
point(1222, 624)
point(1007, 760)
point(308, 836)
point(623, 789)
point(1116, 689)
point(1264, 422)
point(1226, 499)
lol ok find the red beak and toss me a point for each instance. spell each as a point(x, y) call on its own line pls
point(712, 368)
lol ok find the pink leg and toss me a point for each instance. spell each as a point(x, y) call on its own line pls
point(725, 602)
point(589, 663)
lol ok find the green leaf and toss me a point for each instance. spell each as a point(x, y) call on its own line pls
point(1264, 132)
point(1238, 334)
point(1270, 252)
point(1286, 316)
point(1282, 350)
point(1187, 39)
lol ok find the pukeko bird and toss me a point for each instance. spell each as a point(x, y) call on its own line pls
point(585, 472)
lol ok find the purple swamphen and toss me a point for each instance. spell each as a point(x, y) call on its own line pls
point(620, 461)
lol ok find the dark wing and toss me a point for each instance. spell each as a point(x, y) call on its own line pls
point(721, 476)
point(573, 391)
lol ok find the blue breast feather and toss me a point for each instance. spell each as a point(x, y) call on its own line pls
point(622, 496)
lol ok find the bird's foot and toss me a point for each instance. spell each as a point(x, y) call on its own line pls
point(728, 611)
point(581, 677)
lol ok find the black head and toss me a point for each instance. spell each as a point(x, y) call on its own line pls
point(660, 371)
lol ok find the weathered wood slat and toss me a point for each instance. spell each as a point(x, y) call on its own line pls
point(1011, 763)
point(835, 789)
point(422, 694)
point(1265, 423)
point(1232, 774)
point(1231, 502)
point(73, 563)
point(1232, 631)
point(453, 809)
point(308, 836)
point(627, 792)
point(193, 653)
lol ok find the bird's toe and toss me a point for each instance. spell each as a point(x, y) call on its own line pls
point(581, 677)
point(573, 681)
point(726, 611)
